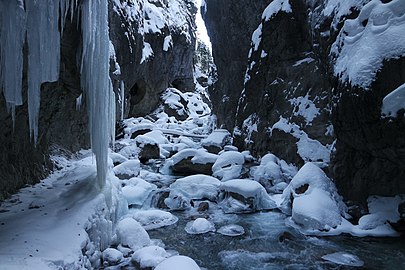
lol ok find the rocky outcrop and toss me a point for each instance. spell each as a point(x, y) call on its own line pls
point(230, 24)
point(154, 48)
point(296, 94)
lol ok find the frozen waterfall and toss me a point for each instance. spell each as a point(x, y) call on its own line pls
point(37, 24)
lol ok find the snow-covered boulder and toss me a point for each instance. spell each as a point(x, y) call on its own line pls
point(195, 187)
point(112, 256)
point(137, 190)
point(228, 165)
point(178, 263)
point(131, 233)
point(199, 226)
point(149, 147)
point(193, 161)
point(316, 203)
point(244, 195)
point(154, 219)
point(343, 258)
point(150, 256)
point(216, 140)
point(127, 169)
point(175, 104)
point(117, 158)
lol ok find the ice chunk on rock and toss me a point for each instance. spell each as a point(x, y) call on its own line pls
point(199, 226)
point(154, 219)
point(150, 256)
point(131, 233)
point(228, 165)
point(127, 169)
point(178, 263)
point(231, 230)
point(192, 187)
point(253, 192)
point(112, 256)
point(343, 258)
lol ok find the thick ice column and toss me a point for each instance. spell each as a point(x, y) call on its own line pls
point(12, 36)
point(96, 81)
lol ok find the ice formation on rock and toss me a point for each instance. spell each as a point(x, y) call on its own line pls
point(37, 22)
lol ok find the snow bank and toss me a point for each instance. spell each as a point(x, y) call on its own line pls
point(377, 34)
point(228, 165)
point(178, 263)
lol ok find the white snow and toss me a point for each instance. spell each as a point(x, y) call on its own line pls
point(199, 156)
point(228, 165)
point(178, 263)
point(128, 168)
point(393, 102)
point(167, 43)
point(249, 189)
point(377, 34)
point(150, 256)
point(197, 186)
point(137, 191)
point(147, 52)
point(199, 226)
point(154, 218)
point(274, 7)
point(304, 107)
point(112, 255)
point(130, 233)
point(218, 138)
point(310, 150)
point(250, 126)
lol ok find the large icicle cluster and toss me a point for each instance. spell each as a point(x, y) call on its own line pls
point(37, 23)
point(96, 81)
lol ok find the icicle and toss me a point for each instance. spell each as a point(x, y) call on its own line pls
point(96, 81)
point(12, 35)
point(43, 40)
point(122, 94)
point(79, 102)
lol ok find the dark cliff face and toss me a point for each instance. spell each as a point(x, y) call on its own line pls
point(288, 101)
point(62, 126)
point(131, 31)
point(230, 24)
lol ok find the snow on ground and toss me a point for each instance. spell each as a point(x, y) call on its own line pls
point(46, 226)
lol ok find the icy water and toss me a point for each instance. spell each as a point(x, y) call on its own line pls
point(269, 244)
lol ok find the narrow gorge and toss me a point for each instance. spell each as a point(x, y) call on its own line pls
point(132, 140)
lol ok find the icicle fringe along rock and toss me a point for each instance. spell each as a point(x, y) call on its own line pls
point(37, 22)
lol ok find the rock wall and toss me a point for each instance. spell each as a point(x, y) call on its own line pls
point(166, 30)
point(292, 97)
point(62, 126)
